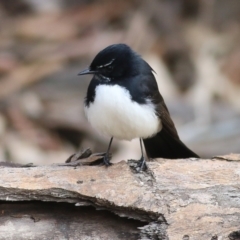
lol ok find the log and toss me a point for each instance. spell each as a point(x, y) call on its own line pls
point(174, 199)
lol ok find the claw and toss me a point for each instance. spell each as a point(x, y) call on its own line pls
point(142, 164)
point(106, 160)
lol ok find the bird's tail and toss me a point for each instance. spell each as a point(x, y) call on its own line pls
point(163, 145)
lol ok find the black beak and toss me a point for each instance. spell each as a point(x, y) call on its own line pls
point(86, 71)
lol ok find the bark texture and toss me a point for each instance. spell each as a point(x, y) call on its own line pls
point(175, 199)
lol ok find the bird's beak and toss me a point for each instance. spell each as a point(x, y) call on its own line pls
point(86, 71)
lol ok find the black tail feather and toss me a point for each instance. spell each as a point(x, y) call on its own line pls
point(163, 145)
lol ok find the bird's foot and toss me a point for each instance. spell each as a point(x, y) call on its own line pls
point(106, 159)
point(142, 164)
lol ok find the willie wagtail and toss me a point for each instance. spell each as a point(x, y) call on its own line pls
point(123, 102)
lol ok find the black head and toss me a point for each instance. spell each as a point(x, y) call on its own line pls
point(114, 62)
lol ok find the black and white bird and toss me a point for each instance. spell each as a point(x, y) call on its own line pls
point(123, 102)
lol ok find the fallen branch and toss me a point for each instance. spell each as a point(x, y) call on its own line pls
point(178, 199)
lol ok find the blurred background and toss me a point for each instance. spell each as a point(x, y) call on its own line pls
point(194, 47)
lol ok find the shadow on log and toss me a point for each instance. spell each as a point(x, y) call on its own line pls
point(38, 220)
point(175, 199)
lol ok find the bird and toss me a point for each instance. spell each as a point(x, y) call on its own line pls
point(123, 102)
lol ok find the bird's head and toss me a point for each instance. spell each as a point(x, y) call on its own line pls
point(114, 62)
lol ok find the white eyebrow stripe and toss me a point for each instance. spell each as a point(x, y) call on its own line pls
point(107, 64)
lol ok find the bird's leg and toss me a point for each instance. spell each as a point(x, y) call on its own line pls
point(142, 162)
point(106, 158)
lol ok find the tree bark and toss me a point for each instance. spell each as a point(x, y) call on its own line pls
point(174, 199)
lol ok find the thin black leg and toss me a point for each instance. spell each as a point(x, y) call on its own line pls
point(142, 162)
point(106, 159)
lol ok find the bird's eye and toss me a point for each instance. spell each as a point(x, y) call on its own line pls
point(109, 67)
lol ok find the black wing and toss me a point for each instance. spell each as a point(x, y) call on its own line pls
point(166, 143)
point(150, 91)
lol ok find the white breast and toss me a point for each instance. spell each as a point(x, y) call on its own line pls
point(113, 113)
